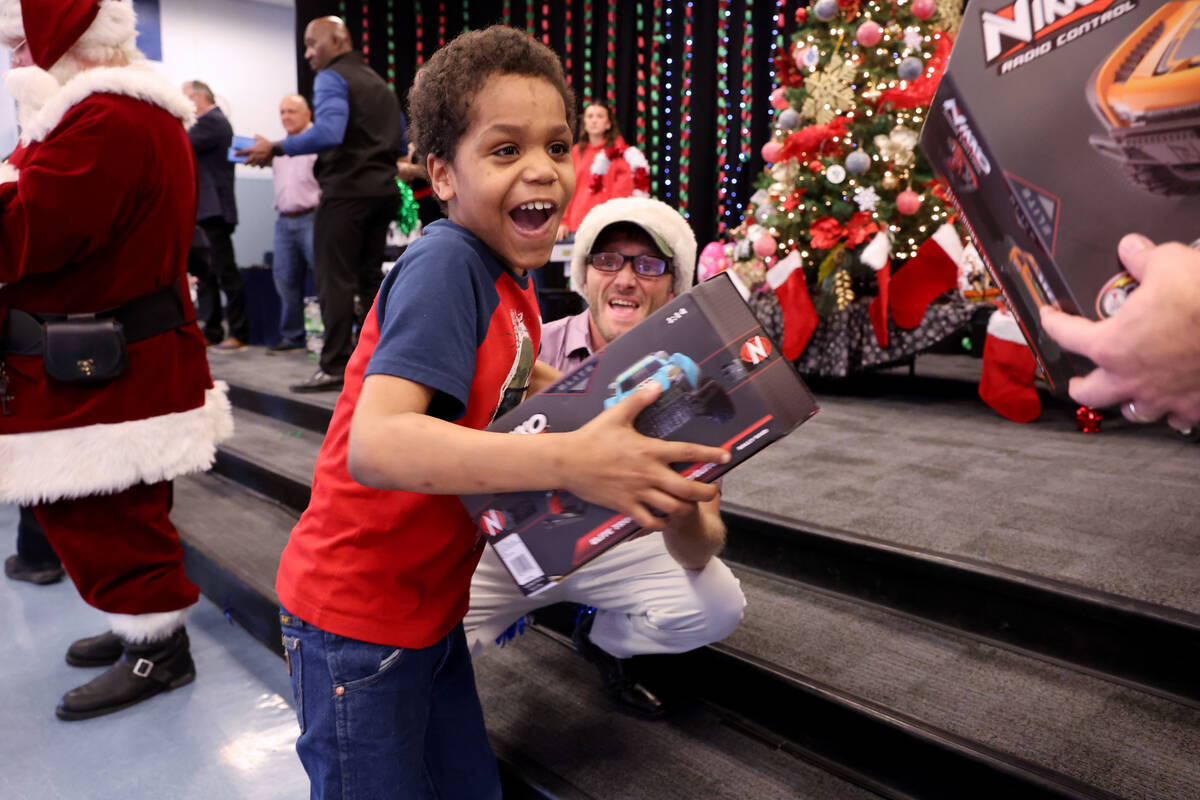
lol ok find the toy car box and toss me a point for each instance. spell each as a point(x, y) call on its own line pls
point(723, 382)
point(1060, 127)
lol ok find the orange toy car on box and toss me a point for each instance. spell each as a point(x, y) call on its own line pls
point(1148, 95)
point(1059, 127)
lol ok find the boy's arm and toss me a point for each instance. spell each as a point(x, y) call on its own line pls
point(696, 534)
point(394, 444)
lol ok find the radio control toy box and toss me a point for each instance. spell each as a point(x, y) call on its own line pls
point(1060, 127)
point(724, 383)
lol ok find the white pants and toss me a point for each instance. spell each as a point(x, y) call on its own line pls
point(645, 602)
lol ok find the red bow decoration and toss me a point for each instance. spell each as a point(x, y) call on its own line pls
point(615, 152)
point(787, 72)
point(849, 8)
point(641, 180)
point(812, 140)
point(827, 231)
point(792, 200)
point(920, 92)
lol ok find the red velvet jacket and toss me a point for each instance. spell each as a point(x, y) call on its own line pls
point(97, 207)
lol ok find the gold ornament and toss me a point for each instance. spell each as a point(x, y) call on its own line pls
point(949, 13)
point(890, 181)
point(841, 289)
point(897, 146)
point(829, 92)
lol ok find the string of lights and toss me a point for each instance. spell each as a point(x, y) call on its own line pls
point(724, 113)
point(546, 24)
point(441, 23)
point(568, 36)
point(588, 21)
point(366, 29)
point(530, 22)
point(610, 59)
point(655, 106)
point(668, 151)
point(506, 12)
point(746, 105)
point(685, 126)
point(640, 77)
point(391, 44)
point(419, 33)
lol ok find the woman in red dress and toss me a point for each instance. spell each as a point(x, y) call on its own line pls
point(605, 167)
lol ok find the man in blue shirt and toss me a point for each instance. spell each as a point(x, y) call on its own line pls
point(358, 133)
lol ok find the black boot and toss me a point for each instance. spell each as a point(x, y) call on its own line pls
point(20, 569)
point(614, 671)
point(145, 669)
point(95, 651)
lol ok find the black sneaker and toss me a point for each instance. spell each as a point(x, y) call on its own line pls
point(631, 696)
point(321, 381)
point(19, 569)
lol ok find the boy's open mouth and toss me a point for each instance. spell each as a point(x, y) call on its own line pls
point(531, 217)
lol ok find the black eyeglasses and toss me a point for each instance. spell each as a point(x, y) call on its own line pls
point(646, 266)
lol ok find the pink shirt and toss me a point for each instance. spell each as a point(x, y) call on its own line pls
point(295, 187)
point(566, 342)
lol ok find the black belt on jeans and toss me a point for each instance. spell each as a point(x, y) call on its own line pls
point(297, 213)
point(141, 318)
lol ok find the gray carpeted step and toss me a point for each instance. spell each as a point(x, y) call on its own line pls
point(1117, 511)
point(1132, 744)
point(254, 368)
point(543, 702)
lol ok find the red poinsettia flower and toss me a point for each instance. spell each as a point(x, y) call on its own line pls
point(787, 72)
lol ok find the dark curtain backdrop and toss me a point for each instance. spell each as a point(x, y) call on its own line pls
point(703, 172)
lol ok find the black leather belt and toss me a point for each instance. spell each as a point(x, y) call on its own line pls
point(140, 318)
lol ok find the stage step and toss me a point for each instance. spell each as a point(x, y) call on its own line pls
point(1144, 645)
point(1106, 667)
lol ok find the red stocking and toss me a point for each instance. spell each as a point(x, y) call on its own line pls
point(928, 274)
point(799, 315)
point(1008, 370)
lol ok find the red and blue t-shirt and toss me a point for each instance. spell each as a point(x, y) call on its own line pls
point(395, 567)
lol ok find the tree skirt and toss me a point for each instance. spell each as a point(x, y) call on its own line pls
point(844, 342)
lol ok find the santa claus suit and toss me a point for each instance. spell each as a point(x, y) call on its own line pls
point(97, 207)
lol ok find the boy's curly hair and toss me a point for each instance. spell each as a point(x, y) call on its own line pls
point(439, 102)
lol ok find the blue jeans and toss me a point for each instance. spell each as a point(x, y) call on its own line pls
point(293, 258)
point(380, 722)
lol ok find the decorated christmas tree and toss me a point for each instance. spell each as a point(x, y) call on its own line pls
point(849, 226)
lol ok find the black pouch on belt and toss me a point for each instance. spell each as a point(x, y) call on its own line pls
point(85, 350)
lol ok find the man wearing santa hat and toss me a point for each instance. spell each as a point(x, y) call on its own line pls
point(105, 393)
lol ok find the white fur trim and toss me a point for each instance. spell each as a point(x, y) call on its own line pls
point(875, 255)
point(947, 238)
point(12, 28)
point(138, 80)
point(147, 627)
point(98, 459)
point(1003, 325)
point(600, 163)
point(654, 216)
point(8, 174)
point(778, 274)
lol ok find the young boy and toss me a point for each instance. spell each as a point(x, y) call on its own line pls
point(373, 583)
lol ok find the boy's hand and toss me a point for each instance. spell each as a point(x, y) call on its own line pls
point(609, 463)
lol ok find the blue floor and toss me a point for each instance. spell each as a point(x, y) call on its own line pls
point(229, 734)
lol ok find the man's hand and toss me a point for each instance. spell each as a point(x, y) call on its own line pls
point(563, 232)
point(1147, 355)
point(260, 154)
point(608, 463)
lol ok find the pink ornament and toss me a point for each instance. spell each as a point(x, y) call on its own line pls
point(924, 9)
point(908, 201)
point(712, 261)
point(779, 99)
point(764, 246)
point(869, 33)
point(771, 151)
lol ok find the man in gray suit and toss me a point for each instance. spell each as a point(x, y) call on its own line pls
point(211, 137)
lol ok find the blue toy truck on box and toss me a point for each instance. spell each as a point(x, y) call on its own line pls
point(684, 395)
